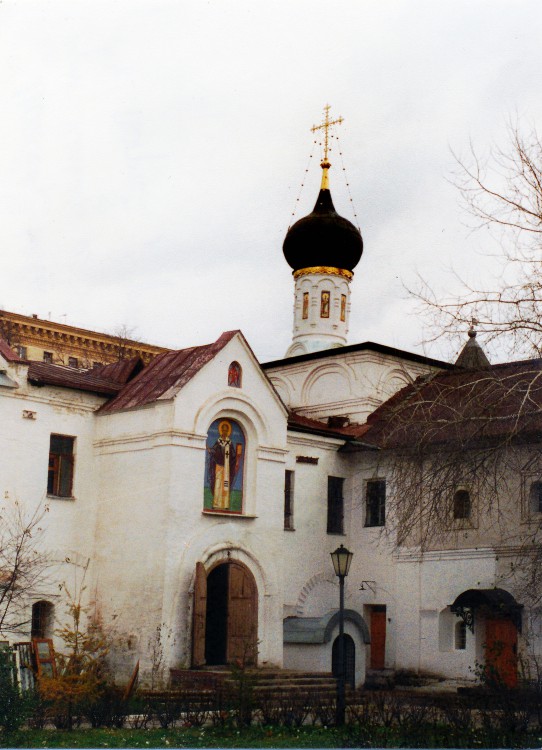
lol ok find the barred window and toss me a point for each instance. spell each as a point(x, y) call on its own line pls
point(462, 505)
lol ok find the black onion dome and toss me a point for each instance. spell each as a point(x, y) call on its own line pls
point(323, 238)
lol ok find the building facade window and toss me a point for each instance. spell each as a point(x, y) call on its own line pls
point(48, 357)
point(234, 375)
point(335, 505)
point(462, 505)
point(61, 459)
point(375, 502)
point(460, 636)
point(42, 619)
point(73, 362)
point(21, 352)
point(535, 497)
point(289, 500)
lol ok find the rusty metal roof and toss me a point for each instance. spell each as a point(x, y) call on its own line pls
point(43, 373)
point(7, 352)
point(467, 407)
point(119, 372)
point(165, 375)
point(299, 423)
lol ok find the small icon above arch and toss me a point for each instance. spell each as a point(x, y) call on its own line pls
point(235, 375)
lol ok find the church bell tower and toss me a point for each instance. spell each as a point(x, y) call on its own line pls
point(323, 249)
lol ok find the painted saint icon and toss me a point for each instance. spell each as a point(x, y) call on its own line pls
point(223, 488)
point(305, 305)
point(343, 307)
point(324, 305)
point(234, 375)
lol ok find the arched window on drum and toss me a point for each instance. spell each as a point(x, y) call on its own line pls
point(224, 467)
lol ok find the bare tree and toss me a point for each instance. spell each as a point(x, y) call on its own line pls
point(502, 193)
point(124, 342)
point(462, 452)
point(23, 565)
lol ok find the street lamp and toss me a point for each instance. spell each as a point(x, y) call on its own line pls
point(341, 562)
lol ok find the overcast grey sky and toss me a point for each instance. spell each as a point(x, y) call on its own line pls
point(151, 153)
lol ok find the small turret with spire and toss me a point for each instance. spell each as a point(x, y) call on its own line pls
point(323, 249)
point(472, 356)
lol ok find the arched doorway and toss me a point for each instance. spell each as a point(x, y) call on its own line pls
point(349, 659)
point(502, 616)
point(225, 626)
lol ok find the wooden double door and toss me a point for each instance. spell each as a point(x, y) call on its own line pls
point(225, 621)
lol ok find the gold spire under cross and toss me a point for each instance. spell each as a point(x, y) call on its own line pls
point(325, 126)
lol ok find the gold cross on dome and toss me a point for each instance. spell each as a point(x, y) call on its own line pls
point(325, 126)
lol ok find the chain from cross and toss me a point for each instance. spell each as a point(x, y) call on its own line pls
point(325, 126)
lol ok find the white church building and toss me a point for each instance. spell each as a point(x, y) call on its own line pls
point(203, 493)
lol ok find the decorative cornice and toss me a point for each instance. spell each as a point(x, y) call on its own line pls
point(67, 340)
point(325, 271)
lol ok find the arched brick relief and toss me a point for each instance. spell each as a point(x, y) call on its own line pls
point(317, 596)
point(393, 381)
point(239, 407)
point(281, 386)
point(327, 383)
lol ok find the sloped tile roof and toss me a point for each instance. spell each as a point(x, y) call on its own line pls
point(165, 375)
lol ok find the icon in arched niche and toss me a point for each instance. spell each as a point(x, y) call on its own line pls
point(223, 489)
point(234, 375)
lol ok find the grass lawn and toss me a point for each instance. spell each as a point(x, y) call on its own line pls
point(173, 738)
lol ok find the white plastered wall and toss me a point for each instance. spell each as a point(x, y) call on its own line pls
point(152, 528)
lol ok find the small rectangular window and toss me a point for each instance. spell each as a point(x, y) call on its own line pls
point(73, 362)
point(22, 352)
point(335, 505)
point(461, 505)
point(535, 497)
point(289, 500)
point(375, 502)
point(60, 474)
point(48, 357)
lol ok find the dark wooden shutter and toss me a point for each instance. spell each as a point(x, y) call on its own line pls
point(198, 616)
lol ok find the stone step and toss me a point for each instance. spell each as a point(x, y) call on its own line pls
point(263, 680)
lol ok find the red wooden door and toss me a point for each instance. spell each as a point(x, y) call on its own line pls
point(199, 612)
point(378, 638)
point(242, 615)
point(501, 650)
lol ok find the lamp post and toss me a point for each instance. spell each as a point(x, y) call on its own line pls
point(341, 563)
